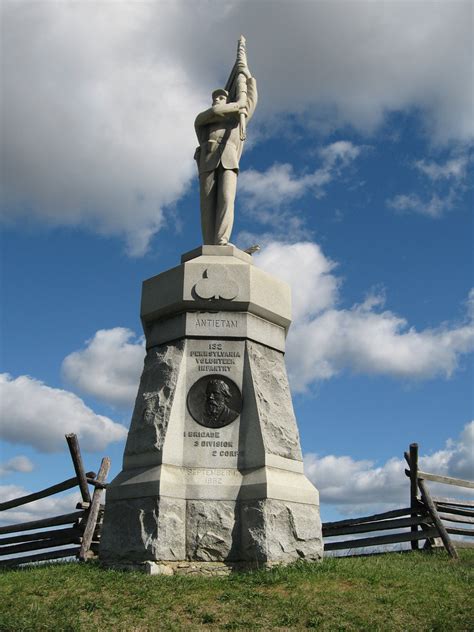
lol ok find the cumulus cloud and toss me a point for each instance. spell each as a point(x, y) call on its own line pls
point(341, 480)
point(102, 135)
point(314, 288)
point(365, 338)
point(109, 366)
point(357, 486)
point(16, 464)
point(40, 416)
point(43, 508)
point(113, 117)
point(457, 459)
point(389, 57)
point(279, 185)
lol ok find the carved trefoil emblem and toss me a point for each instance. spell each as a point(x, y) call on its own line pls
point(216, 283)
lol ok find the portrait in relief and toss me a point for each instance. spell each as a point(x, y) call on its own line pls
point(214, 401)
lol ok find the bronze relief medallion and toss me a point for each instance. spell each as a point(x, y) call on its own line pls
point(214, 401)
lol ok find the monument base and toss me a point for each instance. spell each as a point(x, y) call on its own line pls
point(212, 477)
point(177, 532)
point(206, 569)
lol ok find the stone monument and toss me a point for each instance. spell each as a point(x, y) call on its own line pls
point(212, 474)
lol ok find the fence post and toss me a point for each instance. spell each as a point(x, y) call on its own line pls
point(426, 497)
point(414, 489)
point(93, 511)
point(75, 451)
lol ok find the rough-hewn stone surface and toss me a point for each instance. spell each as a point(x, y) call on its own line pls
point(155, 399)
point(143, 529)
point(278, 531)
point(148, 529)
point(211, 530)
point(273, 401)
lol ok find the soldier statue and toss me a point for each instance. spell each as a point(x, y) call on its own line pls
point(221, 134)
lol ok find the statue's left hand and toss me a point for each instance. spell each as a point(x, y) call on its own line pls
point(244, 70)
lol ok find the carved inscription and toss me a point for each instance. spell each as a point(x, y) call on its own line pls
point(213, 476)
point(216, 323)
point(214, 398)
point(215, 358)
point(219, 447)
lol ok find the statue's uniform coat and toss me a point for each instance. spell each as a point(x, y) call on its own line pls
point(217, 156)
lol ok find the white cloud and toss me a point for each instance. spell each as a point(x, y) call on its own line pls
point(389, 57)
point(368, 341)
point(461, 461)
point(109, 366)
point(324, 341)
point(284, 226)
point(341, 153)
point(457, 459)
point(361, 486)
point(275, 186)
point(18, 463)
point(452, 168)
point(98, 135)
point(101, 135)
point(341, 480)
point(43, 508)
point(303, 266)
point(38, 415)
point(434, 207)
point(279, 185)
point(448, 181)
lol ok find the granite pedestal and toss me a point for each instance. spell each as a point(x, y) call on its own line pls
point(212, 474)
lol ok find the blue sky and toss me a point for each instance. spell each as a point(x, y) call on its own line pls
point(356, 181)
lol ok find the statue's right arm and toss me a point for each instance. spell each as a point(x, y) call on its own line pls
point(204, 118)
point(216, 113)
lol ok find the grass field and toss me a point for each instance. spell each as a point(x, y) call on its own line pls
point(411, 591)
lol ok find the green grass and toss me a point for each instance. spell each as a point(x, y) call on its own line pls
point(413, 591)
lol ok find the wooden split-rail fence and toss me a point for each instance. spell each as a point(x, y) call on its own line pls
point(427, 518)
point(79, 531)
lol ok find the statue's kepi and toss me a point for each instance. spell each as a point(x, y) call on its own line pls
point(212, 476)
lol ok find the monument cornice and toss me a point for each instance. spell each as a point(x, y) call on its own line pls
point(220, 282)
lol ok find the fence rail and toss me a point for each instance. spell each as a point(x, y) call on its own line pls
point(425, 517)
point(81, 536)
